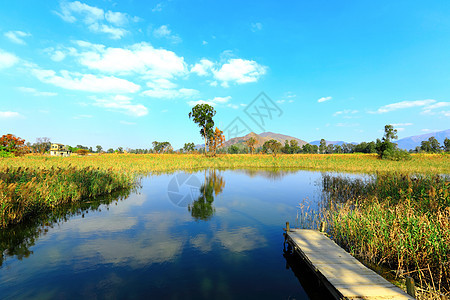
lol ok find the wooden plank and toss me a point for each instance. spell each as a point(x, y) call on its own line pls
point(343, 274)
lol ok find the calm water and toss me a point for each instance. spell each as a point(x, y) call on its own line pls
point(210, 234)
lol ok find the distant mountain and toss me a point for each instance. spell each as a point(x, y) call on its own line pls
point(262, 138)
point(281, 138)
point(317, 143)
point(412, 142)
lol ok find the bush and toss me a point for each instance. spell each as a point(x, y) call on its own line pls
point(396, 154)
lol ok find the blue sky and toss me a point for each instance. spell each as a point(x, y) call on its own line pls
point(126, 73)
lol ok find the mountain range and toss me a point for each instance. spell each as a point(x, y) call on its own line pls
point(412, 142)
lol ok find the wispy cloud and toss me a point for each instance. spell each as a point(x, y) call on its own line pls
point(323, 99)
point(86, 82)
point(122, 104)
point(213, 102)
point(35, 92)
point(256, 26)
point(158, 7)
point(164, 32)
point(402, 124)
point(127, 123)
point(9, 115)
point(403, 105)
point(17, 36)
point(96, 19)
point(345, 112)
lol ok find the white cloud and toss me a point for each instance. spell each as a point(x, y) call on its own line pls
point(438, 105)
point(323, 99)
point(140, 58)
point(116, 18)
point(7, 59)
point(116, 33)
point(239, 71)
point(204, 43)
point(403, 105)
point(402, 124)
point(122, 104)
point(171, 93)
point(203, 67)
point(9, 114)
point(90, 14)
point(162, 31)
point(58, 56)
point(158, 7)
point(430, 130)
point(256, 26)
point(281, 101)
point(82, 117)
point(345, 112)
point(95, 18)
point(17, 36)
point(86, 82)
point(214, 102)
point(127, 123)
point(35, 92)
point(165, 32)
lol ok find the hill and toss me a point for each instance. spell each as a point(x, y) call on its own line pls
point(262, 138)
point(412, 142)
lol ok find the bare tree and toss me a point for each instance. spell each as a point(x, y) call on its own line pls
point(42, 144)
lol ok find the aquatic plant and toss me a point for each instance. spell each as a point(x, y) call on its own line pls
point(398, 220)
point(28, 191)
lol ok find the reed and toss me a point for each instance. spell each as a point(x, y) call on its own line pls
point(29, 191)
point(396, 220)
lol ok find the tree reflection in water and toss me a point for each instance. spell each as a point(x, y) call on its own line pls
point(202, 208)
point(17, 240)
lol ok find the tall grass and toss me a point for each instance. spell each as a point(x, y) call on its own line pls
point(397, 220)
point(147, 163)
point(28, 191)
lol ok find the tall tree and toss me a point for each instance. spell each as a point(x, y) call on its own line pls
point(322, 146)
point(447, 145)
point(272, 145)
point(385, 144)
point(99, 148)
point(203, 114)
point(9, 143)
point(160, 147)
point(189, 147)
point(294, 148)
point(251, 142)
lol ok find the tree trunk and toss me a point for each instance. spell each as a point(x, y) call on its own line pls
point(204, 133)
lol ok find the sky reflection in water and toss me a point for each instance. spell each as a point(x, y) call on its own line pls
point(223, 241)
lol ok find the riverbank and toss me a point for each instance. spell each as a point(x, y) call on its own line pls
point(27, 191)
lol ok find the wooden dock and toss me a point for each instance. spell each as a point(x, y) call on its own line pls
point(343, 275)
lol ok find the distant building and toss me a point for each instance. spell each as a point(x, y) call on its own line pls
point(59, 150)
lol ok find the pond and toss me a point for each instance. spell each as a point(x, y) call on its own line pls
point(202, 235)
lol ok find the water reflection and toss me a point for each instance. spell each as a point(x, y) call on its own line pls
point(202, 208)
point(16, 241)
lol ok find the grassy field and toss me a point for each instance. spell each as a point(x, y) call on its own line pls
point(148, 163)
